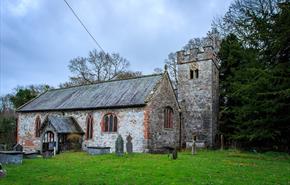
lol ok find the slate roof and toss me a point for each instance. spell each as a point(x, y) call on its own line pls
point(110, 94)
point(63, 124)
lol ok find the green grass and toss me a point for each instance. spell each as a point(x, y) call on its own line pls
point(207, 167)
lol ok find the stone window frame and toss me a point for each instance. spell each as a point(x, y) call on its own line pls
point(90, 127)
point(168, 118)
point(110, 123)
point(37, 126)
point(193, 71)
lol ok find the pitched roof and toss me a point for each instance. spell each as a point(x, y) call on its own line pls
point(110, 94)
point(63, 124)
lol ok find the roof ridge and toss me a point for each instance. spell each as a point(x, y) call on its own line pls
point(108, 81)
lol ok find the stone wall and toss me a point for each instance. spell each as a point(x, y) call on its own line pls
point(198, 97)
point(163, 97)
point(130, 121)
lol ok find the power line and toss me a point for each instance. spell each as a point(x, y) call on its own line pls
point(84, 26)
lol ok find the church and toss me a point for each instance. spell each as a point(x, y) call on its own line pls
point(147, 108)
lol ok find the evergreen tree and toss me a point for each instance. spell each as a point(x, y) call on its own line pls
point(255, 80)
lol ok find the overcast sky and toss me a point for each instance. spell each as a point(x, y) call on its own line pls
point(39, 37)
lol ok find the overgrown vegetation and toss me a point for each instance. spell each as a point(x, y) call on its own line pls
point(207, 167)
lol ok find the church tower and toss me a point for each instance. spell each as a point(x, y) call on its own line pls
point(198, 94)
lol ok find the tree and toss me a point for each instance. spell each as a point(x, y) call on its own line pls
point(6, 104)
point(249, 20)
point(25, 94)
point(7, 129)
point(254, 74)
point(97, 67)
point(157, 70)
point(128, 74)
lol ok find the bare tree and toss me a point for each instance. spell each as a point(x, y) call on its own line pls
point(128, 74)
point(171, 63)
point(243, 15)
point(6, 104)
point(157, 70)
point(98, 66)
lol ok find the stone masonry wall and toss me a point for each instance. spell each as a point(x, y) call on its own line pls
point(130, 121)
point(159, 136)
point(198, 97)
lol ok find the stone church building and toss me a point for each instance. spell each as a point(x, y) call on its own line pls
point(147, 108)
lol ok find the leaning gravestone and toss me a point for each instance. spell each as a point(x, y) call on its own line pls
point(129, 145)
point(18, 147)
point(119, 146)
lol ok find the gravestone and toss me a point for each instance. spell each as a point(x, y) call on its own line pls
point(129, 145)
point(222, 142)
point(2, 171)
point(119, 146)
point(174, 154)
point(18, 147)
point(193, 148)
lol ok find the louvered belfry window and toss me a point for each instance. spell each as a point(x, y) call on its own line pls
point(110, 123)
point(168, 117)
point(89, 132)
point(37, 126)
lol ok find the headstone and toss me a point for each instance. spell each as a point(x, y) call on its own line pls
point(2, 171)
point(119, 146)
point(193, 148)
point(174, 154)
point(222, 142)
point(18, 147)
point(129, 145)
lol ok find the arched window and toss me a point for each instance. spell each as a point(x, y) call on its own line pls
point(110, 122)
point(37, 126)
point(89, 127)
point(168, 117)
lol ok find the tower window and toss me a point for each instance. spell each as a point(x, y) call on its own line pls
point(196, 73)
point(191, 74)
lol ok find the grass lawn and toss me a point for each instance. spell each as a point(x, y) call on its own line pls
point(207, 167)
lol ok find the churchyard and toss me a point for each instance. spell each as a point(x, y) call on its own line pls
point(206, 167)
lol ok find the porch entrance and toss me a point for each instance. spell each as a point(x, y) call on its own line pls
point(60, 132)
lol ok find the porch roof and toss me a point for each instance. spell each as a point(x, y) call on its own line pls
point(63, 124)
